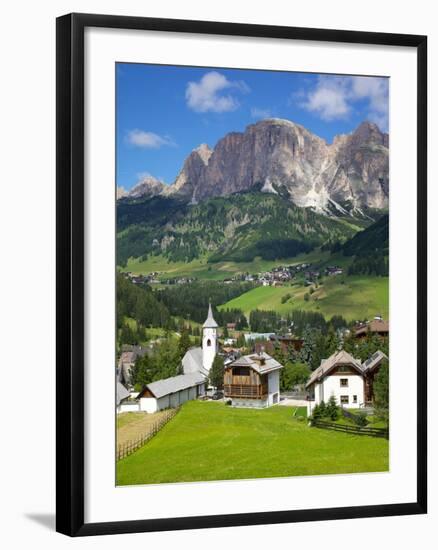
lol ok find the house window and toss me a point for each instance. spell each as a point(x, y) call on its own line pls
point(241, 371)
point(208, 342)
point(344, 382)
point(354, 398)
point(344, 400)
point(343, 368)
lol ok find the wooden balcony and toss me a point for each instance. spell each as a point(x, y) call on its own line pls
point(246, 390)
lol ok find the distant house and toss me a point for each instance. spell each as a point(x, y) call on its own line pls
point(346, 378)
point(124, 401)
point(127, 359)
point(287, 342)
point(230, 341)
point(122, 394)
point(231, 326)
point(171, 392)
point(250, 336)
point(370, 368)
point(376, 326)
point(253, 381)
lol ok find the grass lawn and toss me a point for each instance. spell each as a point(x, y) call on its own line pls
point(358, 297)
point(210, 441)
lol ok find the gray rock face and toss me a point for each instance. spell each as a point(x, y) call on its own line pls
point(279, 156)
point(148, 186)
point(188, 180)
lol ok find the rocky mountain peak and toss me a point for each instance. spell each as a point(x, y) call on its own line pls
point(204, 152)
point(368, 132)
point(147, 186)
point(281, 157)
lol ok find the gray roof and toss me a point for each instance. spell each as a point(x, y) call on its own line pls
point(121, 393)
point(338, 358)
point(375, 360)
point(160, 388)
point(260, 362)
point(192, 361)
point(210, 322)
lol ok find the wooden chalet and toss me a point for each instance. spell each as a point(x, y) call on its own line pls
point(253, 380)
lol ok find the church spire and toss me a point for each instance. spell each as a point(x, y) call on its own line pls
point(210, 322)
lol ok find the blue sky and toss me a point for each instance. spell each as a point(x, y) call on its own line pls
point(164, 112)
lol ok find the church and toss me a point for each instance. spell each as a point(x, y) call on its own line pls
point(201, 359)
point(193, 382)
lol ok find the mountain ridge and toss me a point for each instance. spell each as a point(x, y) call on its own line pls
point(238, 227)
point(281, 157)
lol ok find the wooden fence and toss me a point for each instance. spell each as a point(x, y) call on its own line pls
point(129, 447)
point(374, 432)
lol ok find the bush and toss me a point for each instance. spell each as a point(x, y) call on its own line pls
point(360, 419)
point(316, 413)
point(323, 409)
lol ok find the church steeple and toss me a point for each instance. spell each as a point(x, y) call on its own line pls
point(209, 340)
point(210, 322)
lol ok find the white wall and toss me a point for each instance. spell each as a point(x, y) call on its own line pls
point(332, 385)
point(128, 407)
point(273, 386)
point(148, 404)
point(28, 136)
point(209, 352)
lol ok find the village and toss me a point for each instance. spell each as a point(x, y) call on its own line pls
point(252, 379)
point(277, 276)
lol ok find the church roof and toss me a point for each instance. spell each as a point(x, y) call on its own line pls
point(210, 322)
point(192, 361)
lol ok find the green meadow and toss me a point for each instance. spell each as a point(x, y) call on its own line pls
point(353, 297)
point(210, 441)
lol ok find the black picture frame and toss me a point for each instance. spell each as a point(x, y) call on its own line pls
point(70, 273)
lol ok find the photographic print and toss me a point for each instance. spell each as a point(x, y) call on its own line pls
point(252, 276)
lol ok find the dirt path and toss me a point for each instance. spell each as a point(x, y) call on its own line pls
point(135, 425)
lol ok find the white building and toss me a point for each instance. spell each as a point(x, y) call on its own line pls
point(171, 392)
point(344, 377)
point(253, 381)
point(196, 364)
point(124, 402)
point(201, 359)
point(209, 340)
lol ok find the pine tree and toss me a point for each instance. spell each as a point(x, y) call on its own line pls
point(332, 409)
point(184, 342)
point(381, 392)
point(216, 375)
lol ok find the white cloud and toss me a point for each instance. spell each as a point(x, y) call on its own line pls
point(207, 94)
point(261, 113)
point(328, 99)
point(335, 97)
point(376, 91)
point(148, 140)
